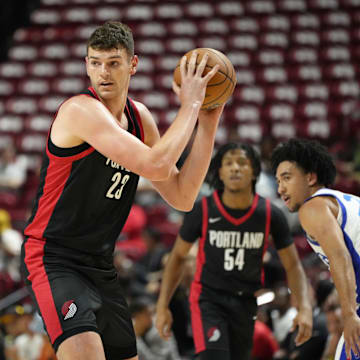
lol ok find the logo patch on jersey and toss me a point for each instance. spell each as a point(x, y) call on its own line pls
point(214, 220)
point(69, 309)
point(213, 334)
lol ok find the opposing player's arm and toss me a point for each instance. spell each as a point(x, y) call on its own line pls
point(181, 188)
point(298, 285)
point(318, 220)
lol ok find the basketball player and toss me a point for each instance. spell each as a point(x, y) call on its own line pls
point(98, 145)
point(304, 171)
point(233, 226)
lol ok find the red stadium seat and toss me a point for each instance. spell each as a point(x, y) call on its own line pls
point(21, 105)
point(24, 52)
point(69, 85)
point(106, 13)
point(302, 55)
point(275, 23)
point(306, 21)
point(244, 24)
point(229, 8)
point(285, 92)
point(199, 10)
point(7, 87)
point(169, 12)
point(42, 69)
point(258, 7)
point(11, 123)
point(33, 86)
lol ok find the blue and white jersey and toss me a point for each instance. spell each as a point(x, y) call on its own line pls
point(349, 221)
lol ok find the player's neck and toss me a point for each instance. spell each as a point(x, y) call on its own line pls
point(237, 200)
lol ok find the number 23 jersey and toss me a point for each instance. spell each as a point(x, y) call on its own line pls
point(232, 242)
point(84, 198)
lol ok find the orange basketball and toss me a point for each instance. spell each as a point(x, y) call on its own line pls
point(222, 85)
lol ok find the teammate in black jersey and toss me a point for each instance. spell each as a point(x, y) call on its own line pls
point(98, 145)
point(233, 226)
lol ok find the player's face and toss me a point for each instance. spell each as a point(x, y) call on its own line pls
point(293, 185)
point(236, 171)
point(109, 71)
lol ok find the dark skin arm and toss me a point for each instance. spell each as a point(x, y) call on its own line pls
point(318, 218)
point(298, 285)
point(171, 278)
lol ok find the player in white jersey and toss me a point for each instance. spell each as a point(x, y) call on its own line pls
point(304, 171)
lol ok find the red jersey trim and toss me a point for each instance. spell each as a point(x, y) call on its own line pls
point(230, 218)
point(266, 238)
point(55, 180)
point(34, 254)
point(196, 287)
point(138, 118)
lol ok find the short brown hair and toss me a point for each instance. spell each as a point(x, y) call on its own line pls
point(112, 35)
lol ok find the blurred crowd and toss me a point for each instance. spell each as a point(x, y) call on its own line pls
point(140, 254)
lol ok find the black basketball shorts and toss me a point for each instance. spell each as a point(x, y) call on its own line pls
point(75, 292)
point(222, 321)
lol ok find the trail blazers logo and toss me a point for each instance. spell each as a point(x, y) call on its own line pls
point(213, 334)
point(69, 309)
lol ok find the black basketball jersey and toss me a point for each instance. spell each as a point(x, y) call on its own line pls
point(84, 198)
point(230, 253)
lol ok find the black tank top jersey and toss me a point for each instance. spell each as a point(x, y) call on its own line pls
point(84, 198)
point(231, 249)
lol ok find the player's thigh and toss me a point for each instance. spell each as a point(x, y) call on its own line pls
point(67, 303)
point(209, 326)
point(115, 325)
point(83, 346)
point(242, 318)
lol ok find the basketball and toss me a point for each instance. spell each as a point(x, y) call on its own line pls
point(222, 85)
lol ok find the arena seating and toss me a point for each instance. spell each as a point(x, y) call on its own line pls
point(297, 63)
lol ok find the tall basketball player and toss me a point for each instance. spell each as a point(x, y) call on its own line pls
point(233, 226)
point(331, 219)
point(98, 145)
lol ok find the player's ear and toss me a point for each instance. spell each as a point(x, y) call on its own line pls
point(134, 64)
point(87, 65)
point(312, 178)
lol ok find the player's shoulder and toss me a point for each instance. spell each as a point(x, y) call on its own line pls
point(79, 103)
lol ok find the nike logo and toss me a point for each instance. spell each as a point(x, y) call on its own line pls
point(214, 220)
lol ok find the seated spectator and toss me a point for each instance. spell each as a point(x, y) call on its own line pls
point(264, 343)
point(25, 340)
point(149, 344)
point(13, 172)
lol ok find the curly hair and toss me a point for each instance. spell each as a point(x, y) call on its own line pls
point(112, 35)
point(213, 178)
point(309, 155)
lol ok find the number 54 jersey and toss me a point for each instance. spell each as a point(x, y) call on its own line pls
point(232, 242)
point(84, 198)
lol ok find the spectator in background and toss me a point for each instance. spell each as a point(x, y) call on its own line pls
point(264, 342)
point(25, 339)
point(13, 169)
point(149, 344)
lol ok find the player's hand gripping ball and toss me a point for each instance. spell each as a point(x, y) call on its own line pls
point(221, 85)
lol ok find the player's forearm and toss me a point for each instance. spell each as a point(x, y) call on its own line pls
point(343, 275)
point(298, 285)
point(167, 151)
point(171, 278)
point(192, 173)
